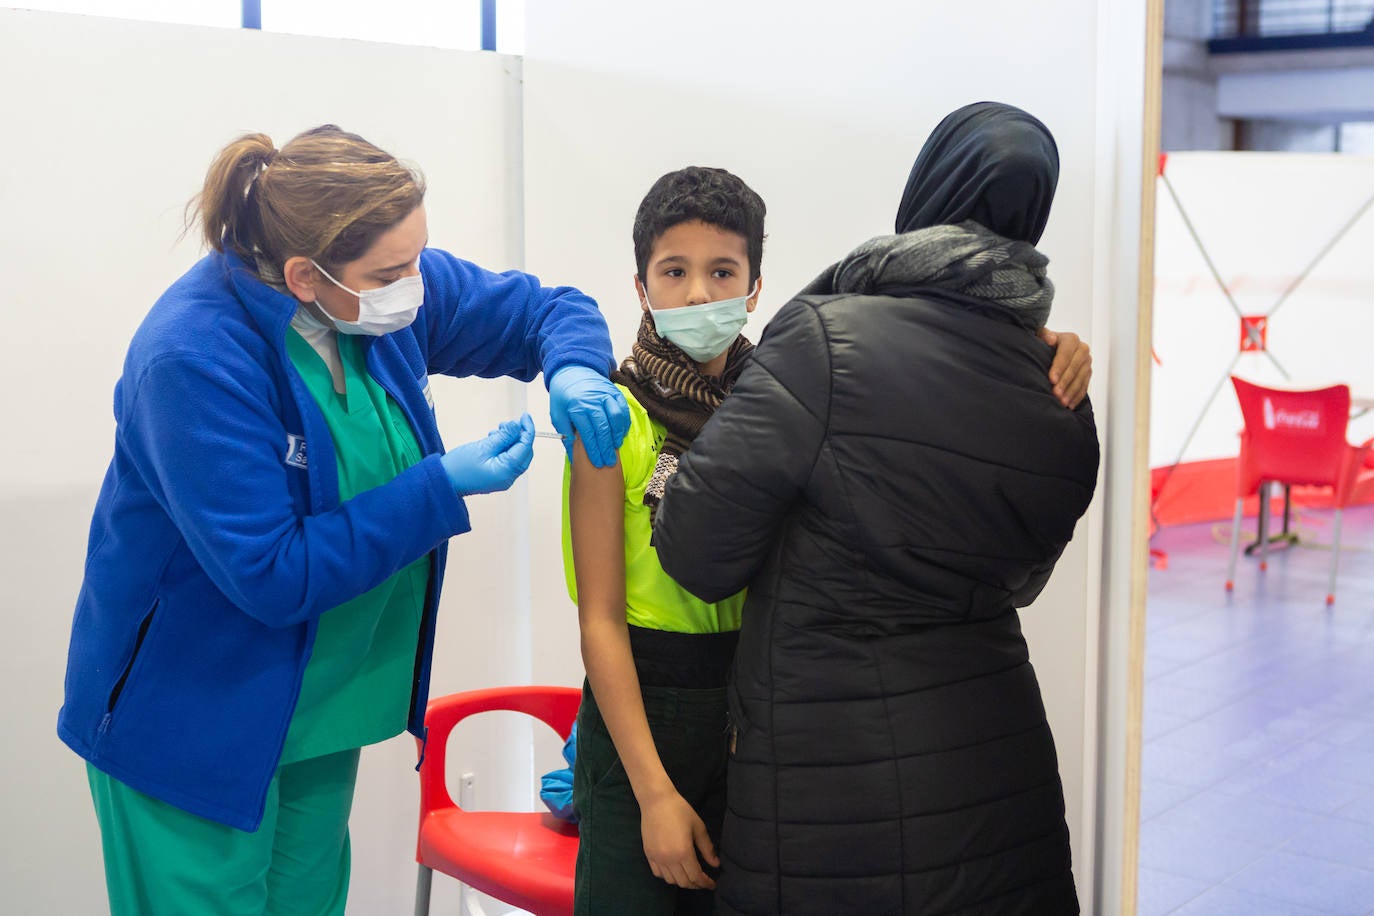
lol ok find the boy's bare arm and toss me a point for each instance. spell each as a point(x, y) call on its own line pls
point(671, 829)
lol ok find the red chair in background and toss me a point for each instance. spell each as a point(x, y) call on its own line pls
point(1294, 437)
point(522, 858)
point(1159, 559)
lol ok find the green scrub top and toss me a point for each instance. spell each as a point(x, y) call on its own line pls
point(358, 682)
point(653, 599)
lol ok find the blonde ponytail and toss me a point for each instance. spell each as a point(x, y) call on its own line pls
point(222, 207)
point(327, 195)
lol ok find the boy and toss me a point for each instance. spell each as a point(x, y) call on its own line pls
point(649, 774)
point(652, 743)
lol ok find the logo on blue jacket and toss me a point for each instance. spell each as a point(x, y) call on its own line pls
point(295, 451)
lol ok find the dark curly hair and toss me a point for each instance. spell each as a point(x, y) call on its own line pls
point(713, 196)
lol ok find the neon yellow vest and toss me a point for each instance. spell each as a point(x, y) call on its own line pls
point(652, 599)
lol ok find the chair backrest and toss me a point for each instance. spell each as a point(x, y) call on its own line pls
point(1292, 436)
point(522, 858)
point(554, 706)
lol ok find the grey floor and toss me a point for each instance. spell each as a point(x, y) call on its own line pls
point(1258, 772)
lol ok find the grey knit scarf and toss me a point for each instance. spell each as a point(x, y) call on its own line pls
point(966, 259)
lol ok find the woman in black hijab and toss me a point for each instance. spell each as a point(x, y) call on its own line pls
point(892, 478)
point(988, 162)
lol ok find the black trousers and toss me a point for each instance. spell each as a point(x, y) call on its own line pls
point(613, 876)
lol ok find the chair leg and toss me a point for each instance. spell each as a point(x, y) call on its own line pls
point(1264, 525)
point(1235, 545)
point(1335, 558)
point(422, 884)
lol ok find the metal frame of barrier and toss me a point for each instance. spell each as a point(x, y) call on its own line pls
point(251, 18)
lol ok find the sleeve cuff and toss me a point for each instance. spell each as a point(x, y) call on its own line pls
point(595, 360)
point(454, 512)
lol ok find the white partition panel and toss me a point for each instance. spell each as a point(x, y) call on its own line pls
point(108, 128)
point(822, 108)
point(1289, 236)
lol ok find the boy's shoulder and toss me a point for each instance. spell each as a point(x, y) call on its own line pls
point(640, 421)
point(639, 451)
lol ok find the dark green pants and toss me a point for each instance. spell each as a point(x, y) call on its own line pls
point(613, 876)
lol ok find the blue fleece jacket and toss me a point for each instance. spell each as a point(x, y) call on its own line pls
point(219, 539)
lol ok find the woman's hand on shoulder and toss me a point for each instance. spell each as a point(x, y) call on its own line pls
point(1072, 368)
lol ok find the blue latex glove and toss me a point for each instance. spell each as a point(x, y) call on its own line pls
point(491, 464)
point(585, 401)
point(556, 788)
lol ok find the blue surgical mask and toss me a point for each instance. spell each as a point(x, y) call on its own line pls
point(703, 331)
point(383, 310)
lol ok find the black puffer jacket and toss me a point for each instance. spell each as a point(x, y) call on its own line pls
point(891, 477)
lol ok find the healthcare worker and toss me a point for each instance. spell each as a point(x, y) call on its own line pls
point(267, 550)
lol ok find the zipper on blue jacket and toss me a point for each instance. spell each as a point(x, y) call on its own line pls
point(418, 705)
point(124, 677)
point(424, 746)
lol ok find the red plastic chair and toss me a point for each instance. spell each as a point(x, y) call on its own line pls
point(1294, 437)
point(522, 858)
point(1159, 559)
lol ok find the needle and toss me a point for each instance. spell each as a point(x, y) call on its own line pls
point(544, 435)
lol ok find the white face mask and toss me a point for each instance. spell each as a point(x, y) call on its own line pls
point(703, 331)
point(383, 310)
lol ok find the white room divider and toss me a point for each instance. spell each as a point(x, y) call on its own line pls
point(108, 128)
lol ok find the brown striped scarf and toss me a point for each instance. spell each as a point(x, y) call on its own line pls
point(672, 390)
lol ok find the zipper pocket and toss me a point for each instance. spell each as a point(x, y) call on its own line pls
point(133, 657)
point(736, 723)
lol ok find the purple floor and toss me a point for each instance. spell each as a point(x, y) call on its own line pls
point(1258, 783)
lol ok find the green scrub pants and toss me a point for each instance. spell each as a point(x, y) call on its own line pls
point(162, 860)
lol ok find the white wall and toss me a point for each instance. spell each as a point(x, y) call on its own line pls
point(1190, 112)
point(1321, 93)
point(1190, 87)
point(1290, 136)
point(822, 108)
point(109, 127)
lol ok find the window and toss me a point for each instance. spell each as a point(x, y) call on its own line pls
point(432, 23)
point(226, 13)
